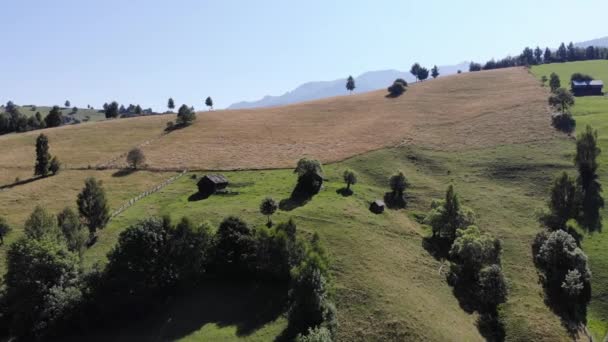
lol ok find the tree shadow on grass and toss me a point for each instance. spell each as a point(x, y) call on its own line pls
point(344, 192)
point(123, 172)
point(199, 196)
point(247, 306)
point(298, 198)
point(437, 248)
point(22, 182)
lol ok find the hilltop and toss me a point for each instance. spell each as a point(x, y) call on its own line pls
point(368, 81)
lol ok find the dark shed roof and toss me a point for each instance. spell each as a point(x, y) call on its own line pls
point(217, 179)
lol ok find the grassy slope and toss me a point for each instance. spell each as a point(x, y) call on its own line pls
point(388, 287)
point(56, 192)
point(592, 110)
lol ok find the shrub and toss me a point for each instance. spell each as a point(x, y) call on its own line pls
point(317, 334)
point(4, 229)
point(563, 122)
point(54, 166)
point(577, 76)
point(397, 88)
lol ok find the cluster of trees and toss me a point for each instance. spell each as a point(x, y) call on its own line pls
point(561, 100)
point(557, 252)
point(398, 87)
point(45, 164)
point(12, 120)
point(47, 294)
point(475, 270)
point(537, 56)
point(421, 73)
point(185, 117)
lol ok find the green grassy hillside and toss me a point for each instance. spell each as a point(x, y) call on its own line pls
point(388, 286)
point(592, 110)
point(82, 114)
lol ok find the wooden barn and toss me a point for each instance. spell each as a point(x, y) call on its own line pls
point(209, 184)
point(587, 88)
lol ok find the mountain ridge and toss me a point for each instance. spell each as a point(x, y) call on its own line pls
point(314, 90)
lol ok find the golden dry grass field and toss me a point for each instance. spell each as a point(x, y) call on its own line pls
point(472, 110)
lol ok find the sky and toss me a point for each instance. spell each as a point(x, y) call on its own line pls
point(143, 52)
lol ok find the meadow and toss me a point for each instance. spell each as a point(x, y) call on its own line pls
point(487, 133)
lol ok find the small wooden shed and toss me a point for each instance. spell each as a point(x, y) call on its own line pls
point(377, 207)
point(586, 88)
point(209, 184)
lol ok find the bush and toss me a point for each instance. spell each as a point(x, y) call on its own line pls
point(577, 76)
point(4, 229)
point(54, 166)
point(397, 88)
point(492, 286)
point(563, 122)
point(317, 334)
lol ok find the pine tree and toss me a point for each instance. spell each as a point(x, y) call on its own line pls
point(589, 188)
point(562, 53)
point(43, 157)
point(93, 205)
point(435, 72)
point(547, 58)
point(170, 104)
point(350, 84)
point(538, 55)
point(414, 70)
point(209, 102)
point(54, 118)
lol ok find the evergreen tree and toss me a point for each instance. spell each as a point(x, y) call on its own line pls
point(590, 189)
point(170, 104)
point(67, 103)
point(423, 73)
point(43, 157)
point(74, 233)
point(111, 110)
point(93, 206)
point(547, 58)
point(414, 70)
point(350, 84)
point(562, 204)
point(209, 102)
point(562, 53)
point(571, 52)
point(554, 82)
point(435, 72)
point(54, 166)
point(54, 118)
point(538, 55)
point(138, 110)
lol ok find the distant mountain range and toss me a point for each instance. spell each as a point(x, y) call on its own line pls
point(601, 42)
point(372, 80)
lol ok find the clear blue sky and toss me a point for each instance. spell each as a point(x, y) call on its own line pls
point(143, 52)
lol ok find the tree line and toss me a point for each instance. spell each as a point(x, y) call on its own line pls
point(536, 56)
point(13, 121)
point(573, 202)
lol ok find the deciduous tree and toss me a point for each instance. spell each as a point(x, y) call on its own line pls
point(93, 206)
